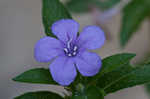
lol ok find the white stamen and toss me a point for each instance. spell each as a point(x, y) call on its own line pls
point(66, 50)
point(69, 54)
point(74, 53)
point(68, 43)
point(75, 48)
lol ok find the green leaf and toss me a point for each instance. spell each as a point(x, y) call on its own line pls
point(113, 62)
point(52, 11)
point(81, 6)
point(39, 95)
point(106, 4)
point(91, 92)
point(133, 15)
point(37, 76)
point(113, 76)
point(78, 6)
point(147, 86)
point(124, 77)
point(118, 60)
point(146, 59)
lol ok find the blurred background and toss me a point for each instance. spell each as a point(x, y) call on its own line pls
point(21, 26)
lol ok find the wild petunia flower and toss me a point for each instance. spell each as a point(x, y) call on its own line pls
point(70, 53)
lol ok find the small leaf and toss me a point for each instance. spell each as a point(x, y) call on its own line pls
point(112, 63)
point(133, 15)
point(78, 6)
point(113, 76)
point(91, 92)
point(38, 76)
point(82, 6)
point(147, 86)
point(124, 78)
point(39, 95)
point(52, 11)
point(115, 61)
point(106, 4)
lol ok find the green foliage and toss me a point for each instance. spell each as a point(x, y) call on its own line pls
point(52, 11)
point(37, 76)
point(120, 79)
point(133, 15)
point(115, 75)
point(39, 95)
point(81, 6)
point(122, 76)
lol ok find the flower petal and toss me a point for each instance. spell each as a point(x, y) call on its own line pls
point(92, 37)
point(65, 29)
point(88, 63)
point(63, 70)
point(46, 49)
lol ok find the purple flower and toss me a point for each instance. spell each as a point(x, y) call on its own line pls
point(70, 53)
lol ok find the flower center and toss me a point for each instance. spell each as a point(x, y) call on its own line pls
point(70, 49)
